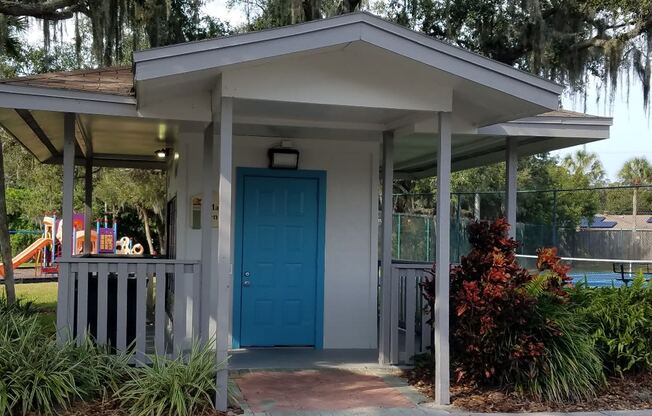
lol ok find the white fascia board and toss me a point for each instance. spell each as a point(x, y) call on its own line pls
point(246, 52)
point(535, 129)
point(463, 54)
point(239, 49)
point(584, 120)
point(66, 101)
point(243, 39)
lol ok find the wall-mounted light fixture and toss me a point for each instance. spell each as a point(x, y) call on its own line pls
point(162, 153)
point(283, 157)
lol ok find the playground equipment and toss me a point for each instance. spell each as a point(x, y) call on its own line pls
point(30, 252)
point(47, 248)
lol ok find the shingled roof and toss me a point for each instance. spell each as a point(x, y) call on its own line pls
point(115, 81)
point(120, 81)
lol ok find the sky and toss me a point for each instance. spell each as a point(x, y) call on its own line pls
point(631, 133)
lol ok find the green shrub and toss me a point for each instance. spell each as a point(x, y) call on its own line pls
point(620, 320)
point(571, 367)
point(172, 386)
point(20, 307)
point(40, 376)
point(511, 328)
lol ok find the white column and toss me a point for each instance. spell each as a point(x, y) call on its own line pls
point(511, 163)
point(88, 203)
point(224, 261)
point(386, 256)
point(442, 258)
point(65, 295)
point(68, 183)
point(208, 175)
point(476, 206)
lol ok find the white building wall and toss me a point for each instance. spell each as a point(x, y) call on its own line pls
point(350, 275)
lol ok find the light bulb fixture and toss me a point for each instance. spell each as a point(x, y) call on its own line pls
point(283, 158)
point(162, 153)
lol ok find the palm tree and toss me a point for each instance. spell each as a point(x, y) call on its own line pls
point(586, 167)
point(636, 172)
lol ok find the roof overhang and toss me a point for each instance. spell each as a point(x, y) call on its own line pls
point(66, 101)
point(534, 135)
point(217, 54)
point(482, 94)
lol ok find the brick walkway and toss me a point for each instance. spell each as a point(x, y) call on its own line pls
point(338, 392)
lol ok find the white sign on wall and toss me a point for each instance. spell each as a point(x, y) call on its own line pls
point(195, 211)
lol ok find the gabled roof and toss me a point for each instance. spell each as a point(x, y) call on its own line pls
point(114, 81)
point(240, 49)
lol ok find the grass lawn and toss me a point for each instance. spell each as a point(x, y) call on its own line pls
point(44, 297)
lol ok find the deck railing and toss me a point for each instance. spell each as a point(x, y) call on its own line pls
point(137, 305)
point(410, 333)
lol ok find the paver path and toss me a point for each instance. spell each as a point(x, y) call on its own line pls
point(317, 391)
point(336, 392)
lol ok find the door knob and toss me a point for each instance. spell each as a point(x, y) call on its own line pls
point(246, 283)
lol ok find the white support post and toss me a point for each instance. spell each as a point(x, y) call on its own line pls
point(476, 206)
point(386, 256)
point(65, 293)
point(208, 174)
point(88, 204)
point(68, 183)
point(224, 262)
point(511, 164)
point(442, 258)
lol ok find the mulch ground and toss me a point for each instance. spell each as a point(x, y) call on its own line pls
point(630, 393)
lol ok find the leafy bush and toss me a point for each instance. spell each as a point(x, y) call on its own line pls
point(621, 323)
point(571, 367)
point(171, 386)
point(20, 307)
point(40, 376)
point(510, 328)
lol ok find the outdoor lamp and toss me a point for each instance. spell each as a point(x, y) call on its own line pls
point(162, 153)
point(283, 158)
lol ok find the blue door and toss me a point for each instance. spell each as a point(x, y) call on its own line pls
point(279, 270)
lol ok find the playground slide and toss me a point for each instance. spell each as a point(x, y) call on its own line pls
point(27, 254)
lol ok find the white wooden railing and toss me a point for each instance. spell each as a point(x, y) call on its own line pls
point(410, 332)
point(109, 298)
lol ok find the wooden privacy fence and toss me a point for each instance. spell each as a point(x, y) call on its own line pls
point(108, 299)
point(410, 333)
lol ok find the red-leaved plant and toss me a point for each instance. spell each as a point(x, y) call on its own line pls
point(493, 330)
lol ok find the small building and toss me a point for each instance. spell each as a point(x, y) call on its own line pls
point(618, 222)
point(292, 135)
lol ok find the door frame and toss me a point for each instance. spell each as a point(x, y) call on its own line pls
point(320, 176)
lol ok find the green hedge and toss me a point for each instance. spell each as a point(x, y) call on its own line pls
point(40, 376)
point(620, 320)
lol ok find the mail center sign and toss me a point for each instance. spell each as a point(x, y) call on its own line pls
point(195, 217)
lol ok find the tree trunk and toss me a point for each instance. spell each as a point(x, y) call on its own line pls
point(161, 232)
point(5, 242)
point(634, 208)
point(148, 234)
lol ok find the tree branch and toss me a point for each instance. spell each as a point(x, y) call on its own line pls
point(600, 41)
point(48, 10)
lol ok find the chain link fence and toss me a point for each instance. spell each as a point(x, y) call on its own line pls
point(609, 222)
